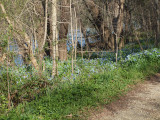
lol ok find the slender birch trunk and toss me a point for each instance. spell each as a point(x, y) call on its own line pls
point(8, 81)
point(116, 37)
point(46, 21)
point(54, 30)
point(42, 64)
point(57, 51)
point(81, 41)
point(76, 40)
point(72, 36)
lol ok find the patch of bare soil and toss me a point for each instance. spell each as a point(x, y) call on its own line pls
point(142, 103)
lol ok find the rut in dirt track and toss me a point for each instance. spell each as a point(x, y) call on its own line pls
point(142, 103)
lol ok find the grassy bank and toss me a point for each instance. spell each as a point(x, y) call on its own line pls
point(96, 82)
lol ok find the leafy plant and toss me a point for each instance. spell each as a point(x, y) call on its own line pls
point(3, 104)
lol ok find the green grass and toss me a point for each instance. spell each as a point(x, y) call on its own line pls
point(73, 98)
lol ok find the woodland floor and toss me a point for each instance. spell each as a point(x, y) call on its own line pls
point(142, 103)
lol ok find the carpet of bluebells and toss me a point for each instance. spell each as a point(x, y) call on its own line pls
point(83, 67)
point(93, 81)
point(106, 63)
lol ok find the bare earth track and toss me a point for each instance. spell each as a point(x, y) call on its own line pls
point(142, 103)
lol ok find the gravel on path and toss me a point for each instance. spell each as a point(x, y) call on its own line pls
point(142, 103)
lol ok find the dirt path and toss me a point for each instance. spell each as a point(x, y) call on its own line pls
point(142, 103)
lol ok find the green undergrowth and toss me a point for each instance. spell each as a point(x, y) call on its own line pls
point(71, 100)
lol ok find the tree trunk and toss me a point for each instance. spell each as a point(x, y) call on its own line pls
point(54, 33)
point(41, 51)
point(73, 44)
point(158, 23)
